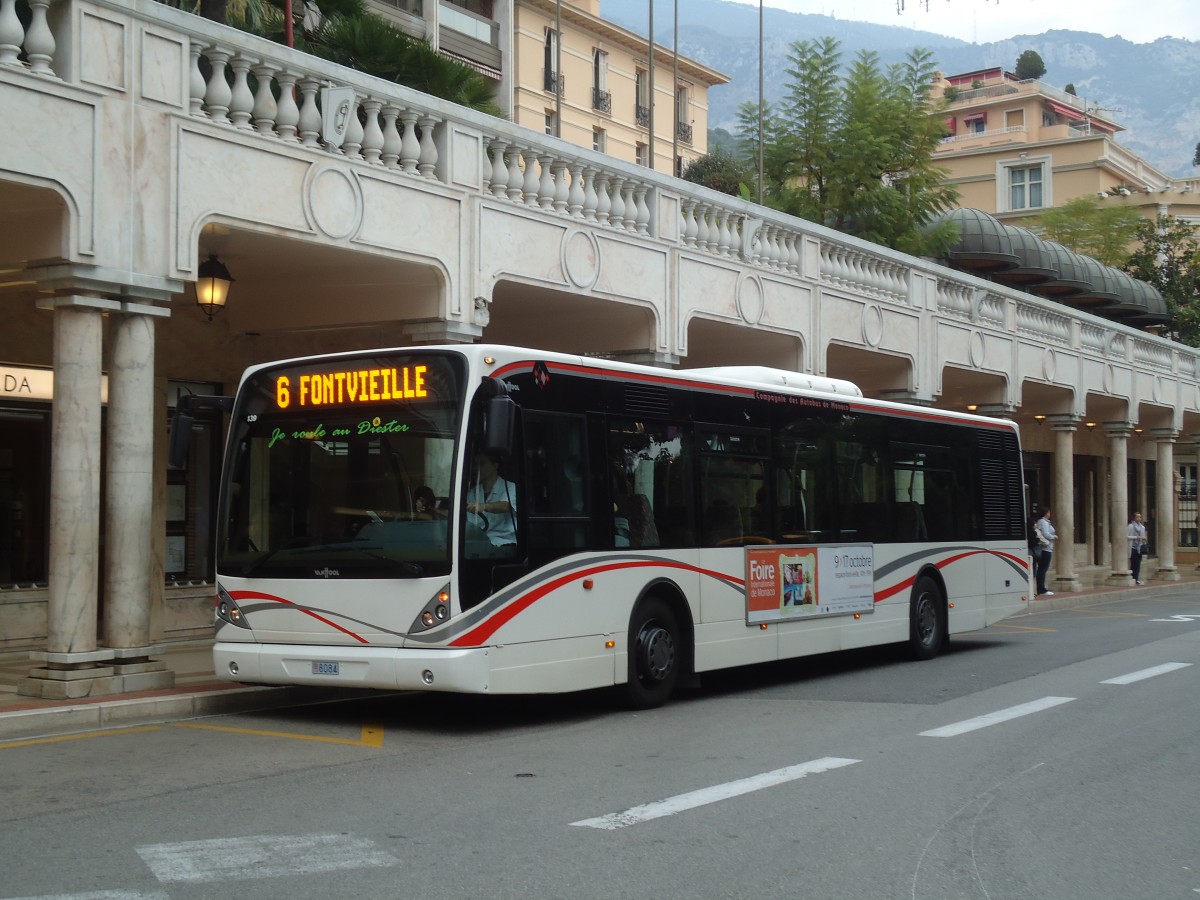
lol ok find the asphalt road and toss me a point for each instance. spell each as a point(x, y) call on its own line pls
point(1053, 756)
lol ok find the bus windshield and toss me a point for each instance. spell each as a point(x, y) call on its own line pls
point(342, 468)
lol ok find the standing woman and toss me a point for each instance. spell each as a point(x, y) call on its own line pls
point(1046, 536)
point(1137, 546)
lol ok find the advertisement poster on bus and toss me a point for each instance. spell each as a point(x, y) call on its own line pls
point(797, 582)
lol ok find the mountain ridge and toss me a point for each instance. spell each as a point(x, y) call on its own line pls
point(1119, 75)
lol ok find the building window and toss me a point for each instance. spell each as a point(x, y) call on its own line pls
point(553, 78)
point(601, 98)
point(24, 495)
point(1025, 187)
point(599, 140)
point(642, 154)
point(551, 123)
point(1189, 533)
point(641, 90)
point(683, 116)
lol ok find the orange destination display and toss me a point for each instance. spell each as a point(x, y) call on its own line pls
point(795, 582)
point(350, 387)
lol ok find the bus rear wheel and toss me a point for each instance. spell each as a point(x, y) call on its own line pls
point(927, 619)
point(654, 654)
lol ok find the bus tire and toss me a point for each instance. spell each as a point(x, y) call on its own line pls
point(926, 620)
point(654, 654)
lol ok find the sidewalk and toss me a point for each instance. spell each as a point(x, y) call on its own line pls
point(198, 692)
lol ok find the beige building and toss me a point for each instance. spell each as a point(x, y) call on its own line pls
point(561, 69)
point(1019, 147)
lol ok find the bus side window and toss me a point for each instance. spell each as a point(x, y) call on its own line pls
point(650, 466)
point(556, 487)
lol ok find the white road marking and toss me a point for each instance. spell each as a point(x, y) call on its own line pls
point(995, 718)
point(1146, 673)
point(261, 856)
point(101, 895)
point(718, 792)
point(1182, 617)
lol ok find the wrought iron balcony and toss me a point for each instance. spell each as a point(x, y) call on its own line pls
point(643, 116)
point(684, 131)
point(554, 82)
point(601, 100)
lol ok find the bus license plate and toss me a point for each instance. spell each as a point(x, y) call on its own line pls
point(325, 668)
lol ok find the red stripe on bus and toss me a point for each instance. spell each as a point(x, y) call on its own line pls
point(258, 595)
point(485, 630)
point(892, 591)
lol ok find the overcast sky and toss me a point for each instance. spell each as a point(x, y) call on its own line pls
point(982, 21)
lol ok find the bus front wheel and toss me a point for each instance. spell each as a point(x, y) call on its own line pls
point(654, 654)
point(927, 619)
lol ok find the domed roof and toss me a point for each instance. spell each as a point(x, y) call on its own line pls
point(1104, 291)
point(1073, 278)
point(1130, 299)
point(983, 243)
point(1156, 312)
point(1034, 266)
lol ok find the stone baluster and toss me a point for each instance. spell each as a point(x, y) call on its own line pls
point(499, 183)
point(390, 152)
point(701, 227)
point(372, 147)
point(616, 210)
point(723, 233)
point(630, 219)
point(642, 220)
point(688, 230)
point(589, 194)
point(773, 255)
point(12, 35)
point(287, 115)
point(575, 196)
point(427, 162)
point(795, 260)
point(410, 145)
point(562, 190)
point(603, 199)
point(532, 185)
point(39, 40)
point(265, 107)
point(217, 95)
point(352, 145)
point(241, 99)
point(516, 178)
point(310, 116)
point(545, 193)
point(196, 84)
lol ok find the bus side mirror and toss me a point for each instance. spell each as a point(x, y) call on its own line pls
point(180, 437)
point(499, 418)
point(500, 425)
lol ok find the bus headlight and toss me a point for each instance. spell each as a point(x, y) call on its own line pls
point(228, 611)
point(435, 612)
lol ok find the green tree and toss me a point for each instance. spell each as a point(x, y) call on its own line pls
point(854, 150)
point(1168, 257)
point(1070, 88)
point(1087, 226)
point(721, 171)
point(1030, 65)
point(1196, 156)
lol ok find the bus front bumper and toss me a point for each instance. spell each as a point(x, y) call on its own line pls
point(385, 668)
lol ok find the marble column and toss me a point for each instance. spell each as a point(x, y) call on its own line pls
point(1118, 504)
point(1164, 501)
point(129, 503)
point(1066, 578)
point(70, 664)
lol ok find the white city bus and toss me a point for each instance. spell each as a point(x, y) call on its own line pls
point(490, 519)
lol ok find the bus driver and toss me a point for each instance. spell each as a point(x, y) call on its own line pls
point(494, 500)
